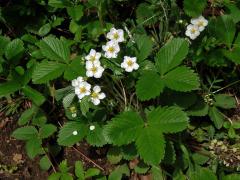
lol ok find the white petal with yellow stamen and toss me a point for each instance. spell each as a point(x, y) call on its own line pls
point(192, 31)
point(93, 56)
point(84, 89)
point(129, 64)
point(97, 95)
point(201, 22)
point(116, 35)
point(111, 49)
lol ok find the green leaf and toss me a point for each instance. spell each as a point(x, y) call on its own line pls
point(47, 130)
point(55, 176)
point(59, 3)
point(79, 172)
point(170, 153)
point(14, 50)
point(25, 133)
point(9, 87)
point(216, 116)
point(96, 137)
point(145, 45)
point(231, 177)
point(194, 8)
point(149, 86)
point(151, 145)
point(124, 128)
point(168, 119)
point(200, 108)
point(33, 95)
point(33, 147)
point(54, 49)
point(44, 30)
point(63, 166)
point(234, 12)
point(92, 172)
point(3, 43)
point(114, 155)
point(75, 69)
point(224, 101)
point(203, 173)
point(182, 79)
point(117, 173)
point(171, 55)
point(67, 100)
point(66, 137)
point(27, 115)
point(76, 12)
point(234, 53)
point(85, 105)
point(223, 28)
point(45, 163)
point(46, 71)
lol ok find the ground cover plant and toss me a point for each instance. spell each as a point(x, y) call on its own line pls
point(120, 89)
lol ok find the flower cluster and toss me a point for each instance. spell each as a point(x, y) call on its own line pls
point(83, 88)
point(197, 25)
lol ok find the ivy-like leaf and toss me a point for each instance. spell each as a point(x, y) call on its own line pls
point(124, 128)
point(151, 145)
point(182, 79)
point(168, 119)
point(54, 49)
point(171, 55)
point(46, 71)
point(149, 86)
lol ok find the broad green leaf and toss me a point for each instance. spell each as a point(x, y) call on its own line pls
point(234, 11)
point(47, 130)
point(33, 147)
point(171, 55)
point(54, 49)
point(168, 119)
point(200, 108)
point(3, 43)
point(114, 155)
point(223, 28)
point(151, 145)
point(25, 133)
point(203, 173)
point(76, 12)
point(157, 173)
point(66, 137)
point(33, 95)
point(149, 86)
point(124, 128)
point(216, 116)
point(224, 101)
point(92, 172)
point(46, 71)
point(145, 14)
point(117, 173)
point(144, 44)
point(231, 177)
point(45, 163)
point(44, 30)
point(234, 53)
point(27, 115)
point(9, 87)
point(67, 100)
point(59, 3)
point(14, 50)
point(74, 69)
point(63, 166)
point(79, 172)
point(96, 137)
point(182, 79)
point(194, 8)
point(85, 105)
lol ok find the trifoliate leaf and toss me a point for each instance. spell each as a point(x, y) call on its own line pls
point(171, 55)
point(54, 49)
point(151, 145)
point(46, 71)
point(168, 119)
point(66, 137)
point(124, 128)
point(182, 79)
point(149, 86)
point(194, 8)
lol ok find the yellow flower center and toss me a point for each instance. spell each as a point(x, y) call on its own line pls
point(200, 23)
point(92, 58)
point(111, 49)
point(129, 63)
point(193, 31)
point(94, 95)
point(73, 109)
point(94, 69)
point(83, 90)
point(116, 36)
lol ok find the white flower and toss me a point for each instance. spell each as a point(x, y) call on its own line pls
point(97, 95)
point(94, 69)
point(192, 31)
point(93, 56)
point(77, 81)
point(129, 64)
point(201, 22)
point(75, 133)
point(83, 90)
point(111, 49)
point(92, 127)
point(116, 35)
